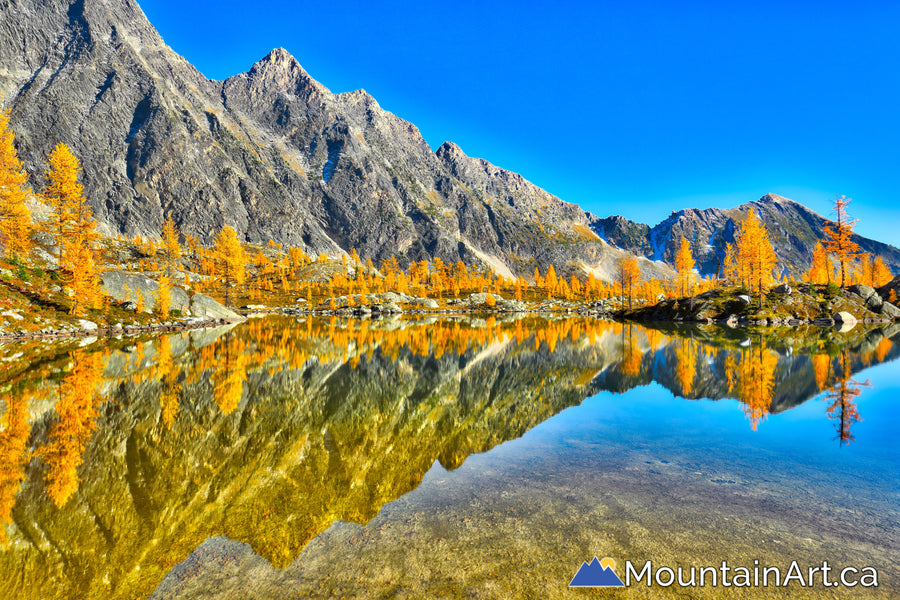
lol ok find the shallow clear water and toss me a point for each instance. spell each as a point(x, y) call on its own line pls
point(488, 462)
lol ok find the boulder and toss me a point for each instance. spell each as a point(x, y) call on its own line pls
point(424, 302)
point(744, 299)
point(125, 287)
point(889, 310)
point(87, 325)
point(782, 289)
point(846, 318)
point(874, 303)
point(204, 306)
point(863, 291)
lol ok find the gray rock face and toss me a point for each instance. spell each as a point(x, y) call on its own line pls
point(889, 310)
point(793, 230)
point(271, 152)
point(125, 287)
point(204, 306)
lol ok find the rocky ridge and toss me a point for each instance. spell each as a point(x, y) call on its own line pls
point(793, 230)
point(271, 152)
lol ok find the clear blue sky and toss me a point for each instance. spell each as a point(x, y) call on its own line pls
point(633, 108)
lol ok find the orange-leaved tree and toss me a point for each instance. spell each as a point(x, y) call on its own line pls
point(684, 265)
point(62, 193)
point(230, 263)
point(171, 248)
point(755, 253)
point(819, 271)
point(72, 223)
point(163, 296)
point(628, 275)
point(15, 219)
point(838, 240)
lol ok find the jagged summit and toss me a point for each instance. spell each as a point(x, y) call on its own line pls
point(281, 68)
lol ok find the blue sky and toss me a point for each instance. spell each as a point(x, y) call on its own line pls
point(633, 108)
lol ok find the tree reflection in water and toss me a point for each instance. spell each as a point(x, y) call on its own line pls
point(272, 431)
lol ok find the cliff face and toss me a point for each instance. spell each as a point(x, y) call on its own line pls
point(793, 230)
point(271, 152)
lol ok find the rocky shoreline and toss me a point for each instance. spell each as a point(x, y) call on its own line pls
point(119, 330)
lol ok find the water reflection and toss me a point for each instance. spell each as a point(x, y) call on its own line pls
point(269, 432)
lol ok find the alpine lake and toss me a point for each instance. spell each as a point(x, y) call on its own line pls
point(452, 457)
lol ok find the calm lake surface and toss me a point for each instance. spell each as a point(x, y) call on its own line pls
point(470, 458)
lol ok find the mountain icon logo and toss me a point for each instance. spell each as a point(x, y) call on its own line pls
point(597, 573)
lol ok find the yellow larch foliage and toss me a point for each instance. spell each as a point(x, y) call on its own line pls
point(163, 297)
point(838, 240)
point(15, 218)
point(685, 366)
point(628, 275)
point(171, 247)
point(230, 261)
point(822, 370)
point(76, 411)
point(14, 454)
point(63, 193)
point(73, 225)
point(756, 257)
point(684, 266)
point(842, 396)
point(819, 271)
point(756, 382)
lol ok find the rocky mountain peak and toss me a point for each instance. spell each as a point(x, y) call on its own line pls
point(280, 70)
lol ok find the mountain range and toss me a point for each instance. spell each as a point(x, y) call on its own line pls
point(276, 155)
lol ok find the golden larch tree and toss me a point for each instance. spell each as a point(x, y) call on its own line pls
point(62, 194)
point(881, 274)
point(170, 245)
point(15, 218)
point(163, 296)
point(230, 262)
point(842, 395)
point(76, 411)
point(819, 271)
point(838, 240)
point(72, 224)
point(756, 257)
point(684, 265)
point(629, 276)
point(756, 382)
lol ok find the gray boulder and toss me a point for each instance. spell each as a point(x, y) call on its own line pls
point(204, 306)
point(863, 291)
point(126, 287)
point(889, 310)
point(782, 289)
point(874, 303)
point(744, 299)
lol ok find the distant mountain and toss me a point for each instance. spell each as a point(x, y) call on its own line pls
point(271, 152)
point(793, 229)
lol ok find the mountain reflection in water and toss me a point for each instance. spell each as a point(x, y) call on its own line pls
point(116, 463)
